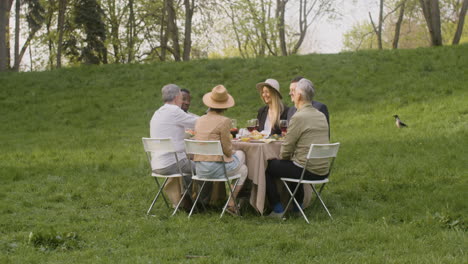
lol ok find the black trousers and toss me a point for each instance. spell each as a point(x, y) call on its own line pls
point(286, 168)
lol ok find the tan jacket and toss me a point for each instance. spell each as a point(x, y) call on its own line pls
point(307, 126)
point(214, 126)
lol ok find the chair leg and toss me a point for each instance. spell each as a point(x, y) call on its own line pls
point(320, 192)
point(196, 200)
point(231, 191)
point(157, 195)
point(161, 188)
point(182, 198)
point(293, 198)
point(320, 198)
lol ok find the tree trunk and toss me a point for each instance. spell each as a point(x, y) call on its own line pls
point(378, 28)
point(303, 25)
point(50, 42)
point(17, 34)
point(163, 33)
point(60, 24)
point(5, 7)
point(26, 45)
point(396, 38)
point(172, 29)
point(461, 23)
point(281, 9)
point(431, 13)
point(379, 35)
point(114, 26)
point(130, 31)
point(189, 9)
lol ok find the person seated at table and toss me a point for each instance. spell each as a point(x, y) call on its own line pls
point(170, 121)
point(316, 104)
point(269, 116)
point(308, 126)
point(186, 99)
point(215, 126)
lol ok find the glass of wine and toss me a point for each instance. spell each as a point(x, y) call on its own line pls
point(284, 126)
point(234, 129)
point(252, 124)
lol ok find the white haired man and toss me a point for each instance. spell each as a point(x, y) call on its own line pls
point(170, 121)
point(318, 105)
point(307, 126)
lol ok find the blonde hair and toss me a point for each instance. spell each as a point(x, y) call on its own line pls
point(276, 105)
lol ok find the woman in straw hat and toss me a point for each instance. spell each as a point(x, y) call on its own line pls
point(215, 126)
point(269, 116)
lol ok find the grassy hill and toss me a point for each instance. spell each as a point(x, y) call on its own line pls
point(75, 185)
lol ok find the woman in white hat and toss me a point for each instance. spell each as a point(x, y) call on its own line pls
point(269, 116)
point(215, 126)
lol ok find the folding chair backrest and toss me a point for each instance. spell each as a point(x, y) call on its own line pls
point(203, 147)
point(163, 145)
point(317, 151)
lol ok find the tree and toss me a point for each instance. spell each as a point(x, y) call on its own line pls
point(189, 10)
point(396, 37)
point(89, 18)
point(460, 23)
point(131, 32)
point(35, 18)
point(172, 29)
point(5, 7)
point(17, 34)
point(431, 12)
point(280, 13)
point(378, 30)
point(309, 14)
point(361, 36)
point(62, 7)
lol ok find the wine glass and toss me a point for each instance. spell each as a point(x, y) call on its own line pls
point(284, 126)
point(234, 129)
point(252, 124)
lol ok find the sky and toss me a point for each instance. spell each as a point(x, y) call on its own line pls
point(327, 36)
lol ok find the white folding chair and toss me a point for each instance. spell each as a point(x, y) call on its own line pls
point(163, 145)
point(212, 148)
point(316, 151)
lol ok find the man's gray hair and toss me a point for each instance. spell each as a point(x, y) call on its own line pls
point(306, 89)
point(169, 92)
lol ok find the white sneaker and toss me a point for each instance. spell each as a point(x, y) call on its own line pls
point(276, 215)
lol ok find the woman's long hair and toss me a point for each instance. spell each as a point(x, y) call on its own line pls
point(276, 105)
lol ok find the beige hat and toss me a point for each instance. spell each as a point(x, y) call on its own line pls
point(218, 98)
point(270, 83)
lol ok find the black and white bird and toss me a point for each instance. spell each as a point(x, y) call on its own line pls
point(398, 122)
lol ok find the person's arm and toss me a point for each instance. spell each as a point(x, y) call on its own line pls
point(261, 117)
point(184, 119)
point(324, 110)
point(293, 135)
point(225, 138)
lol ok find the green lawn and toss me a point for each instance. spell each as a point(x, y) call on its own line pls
point(75, 182)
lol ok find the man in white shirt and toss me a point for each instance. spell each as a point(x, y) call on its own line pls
point(170, 121)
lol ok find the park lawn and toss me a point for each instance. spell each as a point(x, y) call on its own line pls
point(76, 186)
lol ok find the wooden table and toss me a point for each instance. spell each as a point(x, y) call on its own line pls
point(256, 157)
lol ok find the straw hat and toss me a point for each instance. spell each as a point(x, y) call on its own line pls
point(272, 83)
point(218, 98)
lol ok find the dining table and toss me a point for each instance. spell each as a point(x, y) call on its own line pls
point(257, 154)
